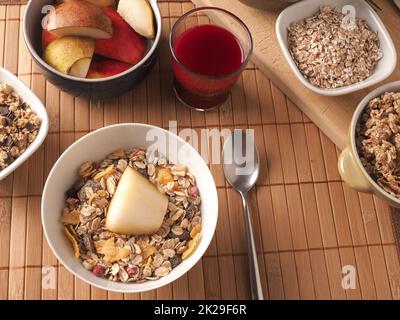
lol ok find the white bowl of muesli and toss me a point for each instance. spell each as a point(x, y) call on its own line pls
point(93, 172)
point(23, 123)
point(371, 162)
point(335, 47)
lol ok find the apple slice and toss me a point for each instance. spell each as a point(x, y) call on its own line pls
point(139, 15)
point(103, 3)
point(137, 207)
point(106, 68)
point(70, 55)
point(125, 45)
point(47, 38)
point(80, 18)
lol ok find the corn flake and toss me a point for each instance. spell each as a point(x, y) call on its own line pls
point(73, 241)
point(70, 217)
point(196, 230)
point(105, 173)
point(192, 245)
point(110, 251)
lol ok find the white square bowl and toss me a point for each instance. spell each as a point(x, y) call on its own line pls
point(307, 8)
point(36, 105)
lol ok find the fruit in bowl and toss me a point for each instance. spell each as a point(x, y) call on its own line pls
point(79, 33)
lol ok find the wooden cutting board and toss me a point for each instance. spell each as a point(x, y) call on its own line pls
point(331, 114)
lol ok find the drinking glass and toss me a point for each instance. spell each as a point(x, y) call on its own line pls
point(210, 87)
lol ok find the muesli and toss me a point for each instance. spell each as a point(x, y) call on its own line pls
point(19, 126)
point(378, 141)
point(126, 258)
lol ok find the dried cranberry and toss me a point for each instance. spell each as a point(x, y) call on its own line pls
point(99, 271)
point(132, 270)
point(72, 201)
point(193, 191)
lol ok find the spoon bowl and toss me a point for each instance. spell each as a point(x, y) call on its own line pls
point(241, 161)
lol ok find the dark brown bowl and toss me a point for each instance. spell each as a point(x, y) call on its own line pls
point(90, 88)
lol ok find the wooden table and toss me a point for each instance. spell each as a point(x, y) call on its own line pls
point(307, 222)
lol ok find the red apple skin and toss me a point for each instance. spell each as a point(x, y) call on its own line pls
point(47, 38)
point(106, 68)
point(126, 45)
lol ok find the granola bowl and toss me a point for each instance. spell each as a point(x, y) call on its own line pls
point(370, 161)
point(324, 68)
point(13, 125)
point(129, 263)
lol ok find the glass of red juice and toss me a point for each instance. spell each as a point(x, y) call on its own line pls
point(207, 59)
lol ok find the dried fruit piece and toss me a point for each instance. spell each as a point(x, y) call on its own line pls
point(99, 271)
point(132, 270)
point(193, 191)
point(175, 261)
point(105, 173)
point(73, 241)
point(196, 230)
point(164, 176)
point(192, 244)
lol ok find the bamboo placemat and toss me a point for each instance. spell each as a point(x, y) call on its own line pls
point(308, 223)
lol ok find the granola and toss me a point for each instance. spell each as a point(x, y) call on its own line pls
point(330, 56)
point(378, 141)
point(127, 258)
point(19, 126)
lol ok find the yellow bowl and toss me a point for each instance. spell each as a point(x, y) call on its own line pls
point(350, 167)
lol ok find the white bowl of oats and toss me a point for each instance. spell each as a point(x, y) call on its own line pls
point(335, 47)
point(80, 198)
point(23, 123)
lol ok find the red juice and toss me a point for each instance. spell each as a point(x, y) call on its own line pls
point(211, 55)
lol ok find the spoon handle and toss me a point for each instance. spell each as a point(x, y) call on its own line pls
point(255, 281)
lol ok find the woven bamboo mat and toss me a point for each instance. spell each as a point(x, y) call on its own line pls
point(308, 223)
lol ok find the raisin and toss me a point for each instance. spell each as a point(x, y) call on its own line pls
point(175, 261)
point(72, 193)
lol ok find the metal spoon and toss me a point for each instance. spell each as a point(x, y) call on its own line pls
point(241, 169)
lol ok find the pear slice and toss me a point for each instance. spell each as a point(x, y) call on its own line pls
point(80, 68)
point(70, 55)
point(139, 15)
point(80, 18)
point(137, 207)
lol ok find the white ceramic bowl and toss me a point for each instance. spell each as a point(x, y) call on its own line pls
point(95, 147)
point(307, 8)
point(36, 105)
